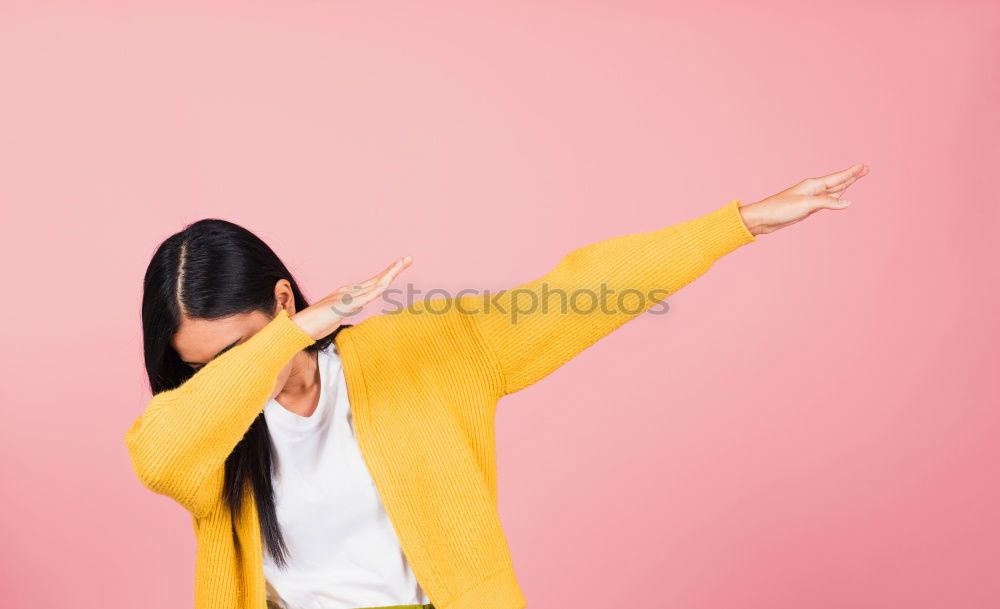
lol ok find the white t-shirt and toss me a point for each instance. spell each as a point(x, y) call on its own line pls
point(343, 550)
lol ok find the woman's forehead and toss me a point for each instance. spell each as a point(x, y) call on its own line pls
point(198, 341)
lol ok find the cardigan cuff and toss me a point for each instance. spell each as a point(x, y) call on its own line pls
point(719, 232)
point(280, 339)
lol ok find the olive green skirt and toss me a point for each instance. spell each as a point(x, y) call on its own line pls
point(271, 605)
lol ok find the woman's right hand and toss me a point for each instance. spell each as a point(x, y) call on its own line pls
point(327, 314)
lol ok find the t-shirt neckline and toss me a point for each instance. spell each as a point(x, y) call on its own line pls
point(288, 420)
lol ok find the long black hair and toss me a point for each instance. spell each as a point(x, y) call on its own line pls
point(210, 270)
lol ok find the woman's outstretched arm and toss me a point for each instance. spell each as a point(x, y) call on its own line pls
point(536, 327)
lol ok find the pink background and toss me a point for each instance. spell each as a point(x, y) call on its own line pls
point(813, 425)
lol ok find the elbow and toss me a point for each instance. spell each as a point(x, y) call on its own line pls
point(151, 464)
point(149, 472)
point(158, 471)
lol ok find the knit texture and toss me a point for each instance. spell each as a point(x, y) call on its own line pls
point(423, 382)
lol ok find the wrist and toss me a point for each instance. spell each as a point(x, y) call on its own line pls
point(751, 218)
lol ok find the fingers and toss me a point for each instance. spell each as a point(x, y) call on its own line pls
point(346, 303)
point(398, 267)
point(356, 302)
point(830, 203)
point(390, 274)
point(358, 295)
point(390, 271)
point(837, 190)
point(843, 179)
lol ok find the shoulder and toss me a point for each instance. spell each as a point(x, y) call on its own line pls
point(436, 328)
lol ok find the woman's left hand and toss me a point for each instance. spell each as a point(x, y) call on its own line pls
point(800, 201)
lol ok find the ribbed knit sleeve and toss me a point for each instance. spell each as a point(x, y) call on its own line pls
point(185, 434)
point(536, 327)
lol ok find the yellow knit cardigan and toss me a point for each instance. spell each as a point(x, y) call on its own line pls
point(423, 382)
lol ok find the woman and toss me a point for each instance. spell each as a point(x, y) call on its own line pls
point(328, 466)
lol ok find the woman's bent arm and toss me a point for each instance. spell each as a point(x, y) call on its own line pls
point(536, 327)
point(185, 434)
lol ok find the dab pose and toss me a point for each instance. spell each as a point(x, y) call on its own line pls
point(328, 466)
